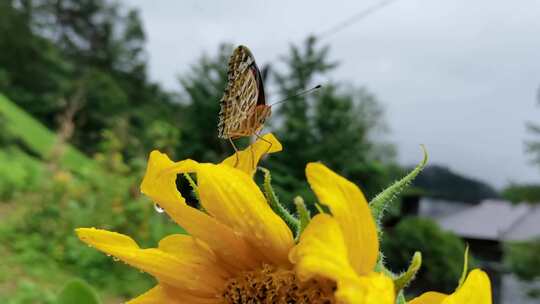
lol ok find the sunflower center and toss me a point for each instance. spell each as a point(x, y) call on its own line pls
point(272, 285)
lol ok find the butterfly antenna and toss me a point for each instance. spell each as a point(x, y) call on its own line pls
point(298, 94)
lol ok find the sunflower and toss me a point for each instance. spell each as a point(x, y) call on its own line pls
point(239, 251)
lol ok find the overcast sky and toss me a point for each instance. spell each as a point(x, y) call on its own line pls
point(459, 76)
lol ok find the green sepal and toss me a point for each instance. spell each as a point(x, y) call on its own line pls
point(405, 278)
point(193, 185)
point(383, 199)
point(77, 291)
point(303, 215)
point(465, 266)
point(276, 206)
point(401, 298)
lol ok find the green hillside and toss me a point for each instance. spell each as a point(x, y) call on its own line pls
point(36, 137)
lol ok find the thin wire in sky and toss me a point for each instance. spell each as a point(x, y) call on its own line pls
point(355, 18)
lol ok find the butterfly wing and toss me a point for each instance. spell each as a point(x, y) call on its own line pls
point(243, 93)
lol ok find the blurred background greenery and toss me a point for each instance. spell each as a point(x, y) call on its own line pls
point(79, 115)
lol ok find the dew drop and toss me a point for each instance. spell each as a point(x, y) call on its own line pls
point(115, 259)
point(158, 208)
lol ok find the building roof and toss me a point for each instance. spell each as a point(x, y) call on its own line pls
point(495, 220)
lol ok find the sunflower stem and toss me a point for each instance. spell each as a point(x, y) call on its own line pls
point(379, 204)
point(276, 206)
point(401, 298)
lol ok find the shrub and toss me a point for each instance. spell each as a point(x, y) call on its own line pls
point(442, 264)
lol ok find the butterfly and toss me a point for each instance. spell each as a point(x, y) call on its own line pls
point(243, 108)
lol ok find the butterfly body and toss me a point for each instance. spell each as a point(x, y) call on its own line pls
point(243, 105)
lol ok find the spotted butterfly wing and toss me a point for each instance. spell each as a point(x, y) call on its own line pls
point(243, 105)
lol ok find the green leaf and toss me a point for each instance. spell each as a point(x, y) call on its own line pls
point(274, 203)
point(381, 201)
point(77, 291)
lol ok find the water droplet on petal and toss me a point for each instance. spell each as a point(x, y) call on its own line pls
point(158, 208)
point(115, 259)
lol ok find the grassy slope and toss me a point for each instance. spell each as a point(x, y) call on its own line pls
point(37, 137)
point(20, 283)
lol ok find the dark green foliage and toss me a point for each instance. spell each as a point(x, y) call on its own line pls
point(523, 258)
point(32, 70)
point(519, 193)
point(87, 57)
point(440, 182)
point(441, 264)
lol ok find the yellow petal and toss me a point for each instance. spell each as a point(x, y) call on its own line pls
point(376, 288)
point(234, 199)
point(475, 290)
point(247, 159)
point(430, 297)
point(235, 253)
point(191, 270)
point(165, 294)
point(322, 252)
point(159, 182)
point(350, 208)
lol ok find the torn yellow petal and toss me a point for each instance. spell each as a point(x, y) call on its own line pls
point(233, 198)
point(161, 294)
point(322, 252)
point(430, 297)
point(247, 159)
point(159, 182)
point(350, 208)
point(475, 290)
point(191, 271)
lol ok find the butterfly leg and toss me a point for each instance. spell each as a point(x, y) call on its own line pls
point(235, 150)
point(252, 156)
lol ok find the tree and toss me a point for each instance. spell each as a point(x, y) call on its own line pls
point(58, 48)
point(202, 89)
point(336, 125)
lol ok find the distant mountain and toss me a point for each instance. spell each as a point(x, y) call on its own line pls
point(440, 182)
